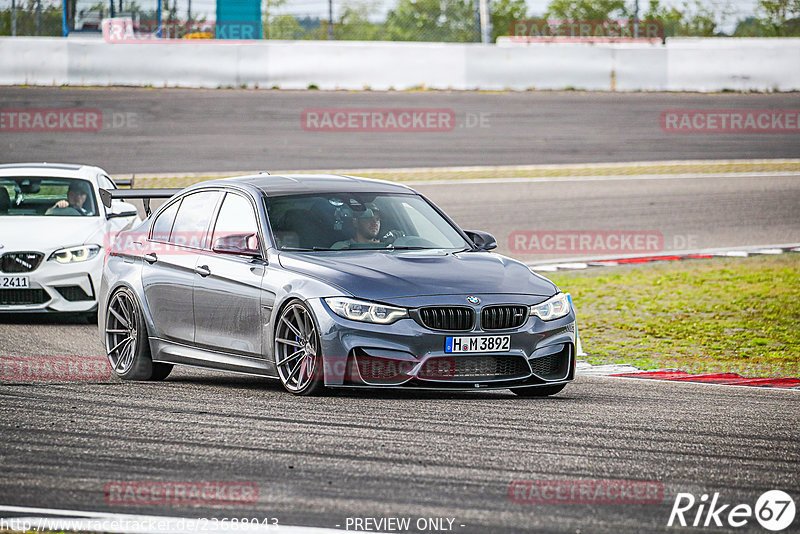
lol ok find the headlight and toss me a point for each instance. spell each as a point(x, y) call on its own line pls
point(368, 312)
point(75, 254)
point(553, 308)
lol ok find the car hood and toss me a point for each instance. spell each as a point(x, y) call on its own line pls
point(392, 275)
point(32, 233)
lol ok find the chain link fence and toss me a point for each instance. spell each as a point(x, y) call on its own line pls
point(395, 20)
point(387, 20)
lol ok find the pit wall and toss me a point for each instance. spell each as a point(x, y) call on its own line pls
point(682, 64)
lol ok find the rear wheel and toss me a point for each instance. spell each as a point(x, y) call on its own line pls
point(127, 344)
point(540, 391)
point(298, 356)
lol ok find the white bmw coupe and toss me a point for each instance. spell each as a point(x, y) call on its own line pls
point(53, 233)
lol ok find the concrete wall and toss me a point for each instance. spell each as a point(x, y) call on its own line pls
point(680, 65)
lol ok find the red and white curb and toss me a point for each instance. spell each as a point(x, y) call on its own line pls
point(676, 375)
point(569, 264)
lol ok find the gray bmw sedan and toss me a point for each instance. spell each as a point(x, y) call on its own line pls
point(327, 281)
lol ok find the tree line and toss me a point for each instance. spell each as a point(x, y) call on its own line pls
point(455, 20)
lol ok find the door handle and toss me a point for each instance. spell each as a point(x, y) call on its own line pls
point(202, 270)
point(150, 258)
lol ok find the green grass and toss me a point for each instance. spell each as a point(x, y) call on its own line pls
point(717, 315)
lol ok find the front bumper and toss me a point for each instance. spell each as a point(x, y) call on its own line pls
point(408, 355)
point(56, 287)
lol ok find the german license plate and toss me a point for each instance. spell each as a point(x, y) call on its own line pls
point(14, 282)
point(458, 344)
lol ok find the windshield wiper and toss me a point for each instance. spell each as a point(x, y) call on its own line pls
point(300, 249)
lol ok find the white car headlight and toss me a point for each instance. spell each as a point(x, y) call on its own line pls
point(75, 254)
point(553, 308)
point(368, 312)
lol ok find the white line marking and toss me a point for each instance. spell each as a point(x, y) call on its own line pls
point(557, 166)
point(725, 251)
point(603, 178)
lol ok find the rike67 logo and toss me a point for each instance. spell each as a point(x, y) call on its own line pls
point(774, 510)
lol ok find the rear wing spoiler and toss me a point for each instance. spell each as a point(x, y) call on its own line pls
point(145, 194)
point(122, 182)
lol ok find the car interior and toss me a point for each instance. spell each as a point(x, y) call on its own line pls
point(317, 222)
point(34, 196)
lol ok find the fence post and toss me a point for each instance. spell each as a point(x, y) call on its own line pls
point(486, 22)
point(330, 20)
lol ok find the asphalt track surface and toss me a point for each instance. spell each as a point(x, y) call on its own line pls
point(352, 454)
point(318, 461)
point(358, 454)
point(682, 213)
point(198, 130)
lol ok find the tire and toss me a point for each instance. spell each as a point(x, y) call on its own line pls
point(297, 350)
point(126, 341)
point(539, 391)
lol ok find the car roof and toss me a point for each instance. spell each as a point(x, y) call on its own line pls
point(298, 184)
point(52, 170)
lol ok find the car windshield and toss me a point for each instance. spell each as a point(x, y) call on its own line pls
point(64, 197)
point(345, 221)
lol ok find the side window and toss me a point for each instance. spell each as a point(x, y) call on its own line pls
point(236, 219)
point(163, 224)
point(105, 182)
point(193, 217)
point(237, 226)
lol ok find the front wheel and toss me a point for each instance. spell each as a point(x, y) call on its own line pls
point(298, 356)
point(127, 344)
point(540, 391)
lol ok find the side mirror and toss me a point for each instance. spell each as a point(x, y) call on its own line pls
point(105, 197)
point(121, 209)
point(239, 244)
point(482, 240)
